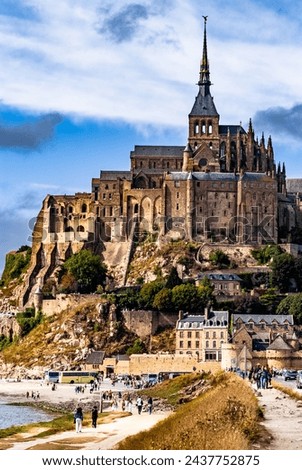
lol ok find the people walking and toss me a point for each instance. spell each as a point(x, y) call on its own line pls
point(150, 405)
point(139, 404)
point(94, 416)
point(78, 419)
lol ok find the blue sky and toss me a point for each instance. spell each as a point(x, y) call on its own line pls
point(81, 83)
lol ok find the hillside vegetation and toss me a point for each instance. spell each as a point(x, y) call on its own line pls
point(225, 415)
point(63, 339)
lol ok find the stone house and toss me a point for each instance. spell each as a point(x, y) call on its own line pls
point(201, 335)
point(225, 285)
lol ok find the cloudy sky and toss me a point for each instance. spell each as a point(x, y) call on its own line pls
point(82, 82)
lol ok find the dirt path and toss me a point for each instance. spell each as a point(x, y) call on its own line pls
point(105, 436)
point(283, 419)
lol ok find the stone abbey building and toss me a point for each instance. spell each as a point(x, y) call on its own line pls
point(223, 185)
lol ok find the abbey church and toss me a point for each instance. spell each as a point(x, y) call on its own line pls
point(222, 185)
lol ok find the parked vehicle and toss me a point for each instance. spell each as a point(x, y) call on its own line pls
point(299, 379)
point(290, 375)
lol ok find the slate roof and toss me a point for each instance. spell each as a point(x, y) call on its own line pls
point(204, 106)
point(279, 344)
point(257, 318)
point(216, 176)
point(216, 318)
point(95, 357)
point(233, 129)
point(157, 151)
point(113, 175)
point(220, 277)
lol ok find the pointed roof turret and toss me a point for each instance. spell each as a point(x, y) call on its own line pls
point(204, 104)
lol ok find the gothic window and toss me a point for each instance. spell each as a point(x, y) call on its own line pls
point(84, 208)
point(70, 209)
point(80, 228)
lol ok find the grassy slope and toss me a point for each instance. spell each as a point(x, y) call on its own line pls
point(225, 417)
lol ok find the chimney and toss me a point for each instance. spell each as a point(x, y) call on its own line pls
point(180, 314)
point(207, 310)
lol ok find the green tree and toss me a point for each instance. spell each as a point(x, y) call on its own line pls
point(291, 305)
point(148, 292)
point(138, 347)
point(219, 258)
point(16, 264)
point(87, 269)
point(283, 272)
point(28, 320)
point(163, 300)
point(173, 279)
point(266, 254)
point(189, 298)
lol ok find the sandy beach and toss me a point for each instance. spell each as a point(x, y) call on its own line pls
point(105, 436)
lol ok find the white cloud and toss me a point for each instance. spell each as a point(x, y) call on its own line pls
point(63, 63)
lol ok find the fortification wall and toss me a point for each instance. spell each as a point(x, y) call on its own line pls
point(155, 363)
point(146, 322)
point(64, 301)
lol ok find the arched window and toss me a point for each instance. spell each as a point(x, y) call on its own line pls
point(196, 128)
point(210, 128)
point(80, 228)
point(203, 127)
point(84, 208)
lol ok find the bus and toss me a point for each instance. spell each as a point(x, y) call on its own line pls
point(52, 376)
point(77, 377)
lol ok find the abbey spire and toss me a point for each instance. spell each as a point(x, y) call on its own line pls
point(204, 75)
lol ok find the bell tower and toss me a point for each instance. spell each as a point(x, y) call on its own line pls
point(204, 118)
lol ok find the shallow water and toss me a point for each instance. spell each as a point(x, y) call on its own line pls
point(12, 415)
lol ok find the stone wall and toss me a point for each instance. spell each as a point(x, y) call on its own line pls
point(64, 301)
point(155, 363)
point(146, 322)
